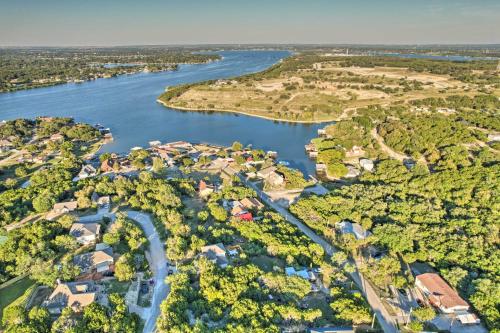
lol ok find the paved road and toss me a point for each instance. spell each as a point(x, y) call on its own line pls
point(158, 267)
point(158, 264)
point(384, 318)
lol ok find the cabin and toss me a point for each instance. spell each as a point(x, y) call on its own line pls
point(76, 295)
point(85, 233)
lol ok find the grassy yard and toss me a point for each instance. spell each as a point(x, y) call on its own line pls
point(267, 263)
point(11, 293)
point(114, 286)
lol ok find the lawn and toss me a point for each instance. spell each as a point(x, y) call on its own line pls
point(11, 293)
point(114, 286)
point(267, 263)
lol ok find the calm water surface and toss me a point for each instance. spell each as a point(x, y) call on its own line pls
point(127, 105)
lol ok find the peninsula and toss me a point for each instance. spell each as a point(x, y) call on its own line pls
point(313, 87)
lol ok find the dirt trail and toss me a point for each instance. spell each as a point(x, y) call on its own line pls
point(388, 150)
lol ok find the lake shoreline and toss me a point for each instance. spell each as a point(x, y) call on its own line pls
point(165, 104)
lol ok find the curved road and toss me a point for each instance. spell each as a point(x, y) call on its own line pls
point(383, 316)
point(158, 267)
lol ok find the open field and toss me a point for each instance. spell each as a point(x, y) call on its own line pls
point(12, 292)
point(311, 88)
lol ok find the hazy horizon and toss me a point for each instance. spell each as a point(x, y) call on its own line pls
point(62, 23)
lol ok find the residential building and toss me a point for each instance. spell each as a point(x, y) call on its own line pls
point(251, 203)
point(205, 189)
point(76, 295)
point(346, 227)
point(366, 164)
point(270, 175)
point(65, 207)
point(440, 294)
point(216, 253)
point(86, 172)
point(94, 262)
point(107, 165)
point(85, 233)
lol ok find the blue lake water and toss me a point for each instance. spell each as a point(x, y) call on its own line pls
point(127, 105)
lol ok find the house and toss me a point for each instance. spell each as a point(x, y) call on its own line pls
point(245, 216)
point(270, 175)
point(107, 165)
point(85, 233)
point(60, 209)
point(495, 137)
point(87, 171)
point(65, 207)
point(352, 172)
point(56, 137)
point(204, 190)
point(440, 294)
point(332, 329)
point(321, 132)
point(237, 209)
point(355, 229)
point(94, 262)
point(154, 143)
point(366, 164)
point(321, 168)
point(5, 145)
point(355, 151)
point(251, 203)
point(76, 295)
point(216, 253)
point(303, 273)
point(103, 202)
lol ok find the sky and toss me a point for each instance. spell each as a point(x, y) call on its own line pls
point(164, 22)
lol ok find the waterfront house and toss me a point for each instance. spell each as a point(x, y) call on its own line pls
point(85, 233)
point(270, 175)
point(216, 253)
point(76, 295)
point(107, 165)
point(440, 294)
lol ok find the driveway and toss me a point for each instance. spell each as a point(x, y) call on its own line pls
point(158, 267)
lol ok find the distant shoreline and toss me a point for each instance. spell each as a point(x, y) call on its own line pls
point(247, 114)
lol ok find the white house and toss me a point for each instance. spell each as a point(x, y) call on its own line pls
point(85, 233)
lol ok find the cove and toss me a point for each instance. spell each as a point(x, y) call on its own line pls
point(127, 105)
